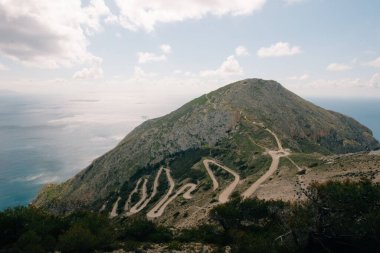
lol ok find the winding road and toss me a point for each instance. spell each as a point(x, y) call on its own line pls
point(126, 206)
point(114, 208)
point(144, 195)
point(144, 201)
point(158, 210)
point(275, 154)
point(153, 212)
point(188, 188)
point(225, 195)
point(215, 183)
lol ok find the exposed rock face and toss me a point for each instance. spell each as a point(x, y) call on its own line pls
point(204, 123)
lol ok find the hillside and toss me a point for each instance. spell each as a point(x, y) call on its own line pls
point(227, 142)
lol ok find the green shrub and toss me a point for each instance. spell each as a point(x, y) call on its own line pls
point(336, 217)
point(346, 216)
point(77, 239)
point(143, 230)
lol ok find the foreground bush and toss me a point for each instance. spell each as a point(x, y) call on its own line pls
point(27, 229)
point(142, 230)
point(346, 216)
point(337, 217)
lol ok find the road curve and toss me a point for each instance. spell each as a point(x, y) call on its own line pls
point(224, 196)
point(275, 154)
point(152, 212)
point(211, 174)
point(273, 167)
point(126, 206)
point(137, 208)
point(144, 195)
point(114, 208)
point(157, 211)
point(187, 194)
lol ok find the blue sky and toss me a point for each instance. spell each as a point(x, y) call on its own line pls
point(313, 47)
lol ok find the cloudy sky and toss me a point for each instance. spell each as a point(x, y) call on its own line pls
point(107, 47)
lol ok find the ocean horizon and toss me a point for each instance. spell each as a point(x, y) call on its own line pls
point(45, 139)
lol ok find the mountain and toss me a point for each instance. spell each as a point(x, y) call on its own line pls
point(212, 148)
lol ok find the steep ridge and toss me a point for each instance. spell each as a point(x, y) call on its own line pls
point(214, 126)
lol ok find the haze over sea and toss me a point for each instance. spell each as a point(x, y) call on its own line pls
point(49, 139)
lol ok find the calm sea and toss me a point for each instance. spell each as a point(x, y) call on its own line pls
point(45, 139)
point(49, 139)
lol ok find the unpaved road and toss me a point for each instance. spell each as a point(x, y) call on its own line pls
point(141, 205)
point(114, 208)
point(153, 212)
point(158, 212)
point(279, 145)
point(144, 195)
point(187, 194)
point(126, 206)
point(225, 195)
point(215, 183)
point(275, 154)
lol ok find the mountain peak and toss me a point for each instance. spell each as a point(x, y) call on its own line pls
point(241, 125)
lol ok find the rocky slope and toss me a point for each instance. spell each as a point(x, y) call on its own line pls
point(236, 126)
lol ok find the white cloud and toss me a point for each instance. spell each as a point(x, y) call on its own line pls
point(166, 49)
point(184, 73)
point(92, 14)
point(375, 81)
point(145, 57)
point(49, 34)
point(278, 49)
point(299, 78)
point(229, 67)
point(338, 67)
point(241, 51)
point(111, 19)
point(138, 72)
point(94, 71)
point(3, 67)
point(145, 14)
point(374, 63)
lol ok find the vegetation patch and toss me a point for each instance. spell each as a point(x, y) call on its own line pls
point(182, 162)
point(336, 217)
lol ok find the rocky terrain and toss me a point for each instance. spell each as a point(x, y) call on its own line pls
point(249, 138)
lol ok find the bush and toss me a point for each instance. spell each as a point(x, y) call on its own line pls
point(144, 231)
point(29, 229)
point(251, 225)
point(337, 217)
point(204, 233)
point(77, 239)
point(346, 216)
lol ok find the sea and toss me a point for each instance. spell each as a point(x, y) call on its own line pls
point(48, 139)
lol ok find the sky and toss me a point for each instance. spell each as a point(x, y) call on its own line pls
point(181, 49)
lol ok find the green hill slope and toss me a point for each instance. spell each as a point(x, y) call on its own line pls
point(217, 125)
